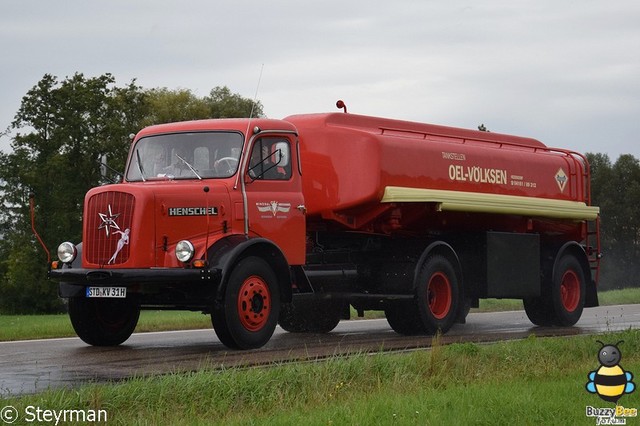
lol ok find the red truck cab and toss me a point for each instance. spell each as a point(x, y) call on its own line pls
point(194, 196)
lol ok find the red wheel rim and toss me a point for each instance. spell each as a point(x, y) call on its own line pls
point(439, 295)
point(570, 291)
point(254, 303)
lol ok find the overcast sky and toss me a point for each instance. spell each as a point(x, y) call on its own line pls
point(565, 72)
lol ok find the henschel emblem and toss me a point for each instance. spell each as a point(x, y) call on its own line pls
point(108, 221)
point(274, 207)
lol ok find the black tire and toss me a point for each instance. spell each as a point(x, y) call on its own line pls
point(404, 318)
point(568, 289)
point(310, 316)
point(538, 311)
point(465, 308)
point(247, 316)
point(437, 294)
point(103, 322)
point(437, 302)
point(563, 295)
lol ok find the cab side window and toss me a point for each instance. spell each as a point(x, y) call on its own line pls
point(270, 159)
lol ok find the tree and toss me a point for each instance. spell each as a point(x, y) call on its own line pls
point(166, 106)
point(624, 218)
point(224, 104)
point(68, 127)
point(601, 180)
point(615, 188)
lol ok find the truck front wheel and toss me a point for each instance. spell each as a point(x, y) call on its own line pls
point(103, 322)
point(247, 315)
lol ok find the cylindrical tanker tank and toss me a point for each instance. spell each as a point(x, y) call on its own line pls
point(352, 160)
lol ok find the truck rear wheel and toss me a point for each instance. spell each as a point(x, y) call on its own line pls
point(437, 301)
point(310, 316)
point(538, 311)
point(404, 318)
point(248, 313)
point(563, 296)
point(437, 292)
point(103, 322)
point(568, 289)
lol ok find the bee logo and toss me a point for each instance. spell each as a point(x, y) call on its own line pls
point(610, 381)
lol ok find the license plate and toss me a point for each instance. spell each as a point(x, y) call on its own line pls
point(118, 292)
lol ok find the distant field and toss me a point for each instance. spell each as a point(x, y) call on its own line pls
point(24, 327)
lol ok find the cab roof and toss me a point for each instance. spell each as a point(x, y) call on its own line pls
point(229, 124)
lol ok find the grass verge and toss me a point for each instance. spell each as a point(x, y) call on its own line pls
point(532, 381)
point(24, 327)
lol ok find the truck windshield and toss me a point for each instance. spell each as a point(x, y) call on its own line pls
point(197, 155)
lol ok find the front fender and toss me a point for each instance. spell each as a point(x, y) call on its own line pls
point(224, 254)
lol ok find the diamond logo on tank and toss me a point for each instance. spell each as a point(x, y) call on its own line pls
point(561, 179)
point(108, 229)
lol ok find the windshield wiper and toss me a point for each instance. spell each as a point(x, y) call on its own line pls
point(139, 164)
point(189, 166)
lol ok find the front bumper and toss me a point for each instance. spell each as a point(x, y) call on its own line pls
point(162, 288)
point(131, 277)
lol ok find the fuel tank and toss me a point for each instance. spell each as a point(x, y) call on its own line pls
point(353, 161)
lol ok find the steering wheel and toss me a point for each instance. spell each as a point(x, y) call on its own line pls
point(226, 165)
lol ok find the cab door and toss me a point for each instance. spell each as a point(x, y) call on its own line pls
point(275, 204)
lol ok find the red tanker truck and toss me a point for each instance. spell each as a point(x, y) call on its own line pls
point(262, 222)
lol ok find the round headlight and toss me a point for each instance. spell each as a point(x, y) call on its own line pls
point(67, 252)
point(184, 251)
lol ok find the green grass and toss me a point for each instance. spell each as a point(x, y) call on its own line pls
point(531, 381)
point(23, 327)
point(627, 296)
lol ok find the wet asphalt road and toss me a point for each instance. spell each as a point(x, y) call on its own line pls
point(33, 366)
